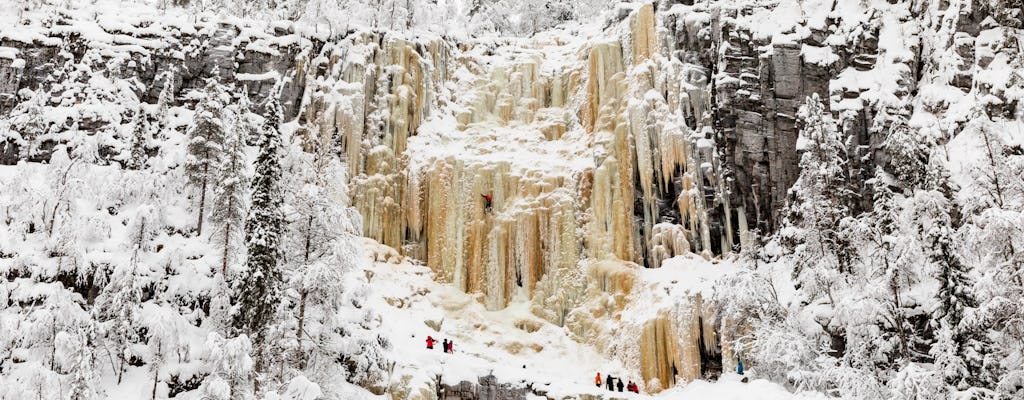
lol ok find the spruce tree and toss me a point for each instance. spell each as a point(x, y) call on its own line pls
point(964, 350)
point(206, 137)
point(818, 198)
point(896, 270)
point(164, 102)
point(908, 154)
point(140, 138)
point(257, 290)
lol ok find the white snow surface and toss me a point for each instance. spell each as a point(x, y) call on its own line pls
point(495, 342)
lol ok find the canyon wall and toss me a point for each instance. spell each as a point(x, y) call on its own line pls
point(670, 131)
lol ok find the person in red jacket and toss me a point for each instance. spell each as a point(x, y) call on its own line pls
point(430, 342)
point(487, 202)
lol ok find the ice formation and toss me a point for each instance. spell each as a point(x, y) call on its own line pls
point(596, 155)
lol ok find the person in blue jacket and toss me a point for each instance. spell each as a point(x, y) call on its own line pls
point(739, 366)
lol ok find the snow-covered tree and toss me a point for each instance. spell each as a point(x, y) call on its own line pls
point(257, 290)
point(117, 310)
point(165, 102)
point(908, 153)
point(28, 123)
point(140, 136)
point(230, 367)
point(206, 142)
point(78, 352)
point(229, 196)
point(811, 228)
point(245, 120)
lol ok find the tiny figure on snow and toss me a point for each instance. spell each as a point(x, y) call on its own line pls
point(487, 202)
point(597, 380)
point(444, 345)
point(739, 366)
point(619, 385)
point(610, 383)
point(430, 342)
point(451, 346)
point(631, 387)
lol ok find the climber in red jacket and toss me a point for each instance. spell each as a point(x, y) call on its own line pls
point(430, 342)
point(487, 202)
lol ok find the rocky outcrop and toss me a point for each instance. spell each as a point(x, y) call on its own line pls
point(486, 388)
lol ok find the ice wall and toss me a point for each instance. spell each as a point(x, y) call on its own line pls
point(598, 157)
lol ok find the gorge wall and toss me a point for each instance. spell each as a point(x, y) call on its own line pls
point(667, 131)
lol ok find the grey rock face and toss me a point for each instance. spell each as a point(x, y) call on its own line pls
point(486, 388)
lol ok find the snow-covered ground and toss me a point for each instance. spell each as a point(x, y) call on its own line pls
point(513, 344)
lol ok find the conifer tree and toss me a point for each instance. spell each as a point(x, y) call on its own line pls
point(206, 137)
point(229, 196)
point(164, 102)
point(257, 291)
point(963, 351)
point(908, 154)
point(140, 138)
point(818, 199)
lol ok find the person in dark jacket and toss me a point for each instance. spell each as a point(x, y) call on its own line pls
point(610, 383)
point(619, 385)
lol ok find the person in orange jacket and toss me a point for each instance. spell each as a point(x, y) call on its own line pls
point(430, 342)
point(598, 379)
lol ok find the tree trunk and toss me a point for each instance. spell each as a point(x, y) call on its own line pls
point(300, 363)
point(202, 204)
point(156, 379)
point(299, 331)
point(227, 240)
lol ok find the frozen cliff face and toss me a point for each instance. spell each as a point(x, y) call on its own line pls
point(667, 131)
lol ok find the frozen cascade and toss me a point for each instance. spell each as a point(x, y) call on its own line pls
point(599, 160)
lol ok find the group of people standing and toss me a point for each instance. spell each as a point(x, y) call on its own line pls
point(611, 385)
point(448, 344)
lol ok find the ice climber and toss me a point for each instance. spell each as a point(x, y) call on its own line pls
point(739, 366)
point(597, 380)
point(430, 342)
point(609, 383)
point(444, 345)
point(619, 385)
point(487, 202)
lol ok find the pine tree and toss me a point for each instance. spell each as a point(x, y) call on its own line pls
point(232, 184)
point(206, 138)
point(258, 289)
